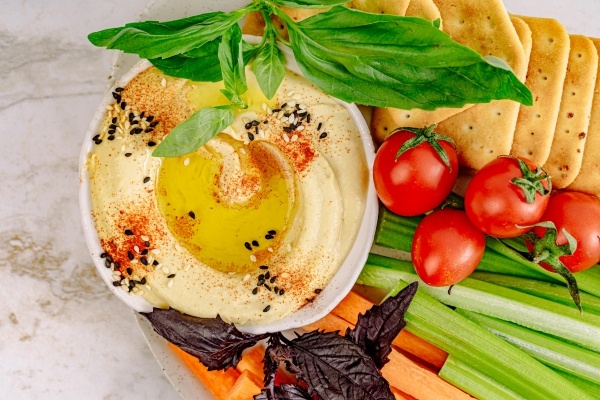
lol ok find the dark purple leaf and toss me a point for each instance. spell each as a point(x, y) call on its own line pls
point(217, 344)
point(333, 367)
point(377, 328)
point(284, 392)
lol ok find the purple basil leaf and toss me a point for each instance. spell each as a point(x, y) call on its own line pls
point(334, 367)
point(217, 344)
point(284, 392)
point(377, 328)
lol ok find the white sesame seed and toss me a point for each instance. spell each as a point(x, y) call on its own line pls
point(170, 283)
point(134, 261)
point(137, 249)
point(294, 138)
point(127, 125)
point(297, 97)
point(284, 275)
point(290, 93)
point(116, 277)
point(118, 273)
point(300, 128)
point(253, 258)
point(269, 111)
point(286, 138)
point(291, 104)
point(264, 107)
point(246, 142)
point(109, 107)
point(135, 278)
point(123, 149)
point(177, 247)
point(155, 251)
point(281, 114)
point(186, 162)
point(302, 112)
point(247, 278)
point(270, 249)
point(187, 267)
point(165, 270)
point(302, 106)
point(148, 287)
point(163, 83)
point(145, 238)
point(125, 281)
point(292, 118)
point(261, 133)
point(243, 151)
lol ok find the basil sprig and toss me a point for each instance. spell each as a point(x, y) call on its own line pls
point(371, 59)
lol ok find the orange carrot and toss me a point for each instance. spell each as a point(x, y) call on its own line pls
point(399, 395)
point(246, 387)
point(253, 361)
point(219, 383)
point(355, 304)
point(401, 372)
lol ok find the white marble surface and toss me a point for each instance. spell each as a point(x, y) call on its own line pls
point(62, 334)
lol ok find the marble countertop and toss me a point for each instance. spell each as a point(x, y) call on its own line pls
point(62, 334)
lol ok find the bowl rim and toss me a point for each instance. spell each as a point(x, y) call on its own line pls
point(336, 289)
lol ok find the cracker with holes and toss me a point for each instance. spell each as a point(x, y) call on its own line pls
point(424, 9)
point(588, 179)
point(564, 161)
point(485, 131)
point(545, 77)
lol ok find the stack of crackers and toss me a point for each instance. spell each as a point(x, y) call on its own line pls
point(560, 132)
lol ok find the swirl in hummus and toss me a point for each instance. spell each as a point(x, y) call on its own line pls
point(252, 225)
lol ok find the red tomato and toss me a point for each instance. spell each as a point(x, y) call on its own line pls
point(446, 247)
point(579, 214)
point(497, 206)
point(416, 182)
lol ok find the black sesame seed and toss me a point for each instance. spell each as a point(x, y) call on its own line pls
point(319, 126)
point(283, 105)
point(112, 131)
point(287, 129)
point(116, 95)
point(136, 131)
point(286, 115)
point(192, 215)
point(267, 308)
point(318, 291)
point(150, 118)
point(255, 123)
point(147, 179)
point(151, 143)
point(264, 267)
point(260, 283)
point(116, 283)
point(273, 279)
point(127, 154)
point(256, 130)
point(109, 258)
point(144, 252)
point(155, 263)
point(308, 118)
point(276, 110)
point(281, 292)
point(247, 245)
point(248, 125)
point(132, 284)
point(152, 125)
point(272, 232)
point(148, 130)
point(276, 289)
point(119, 89)
point(268, 237)
point(267, 287)
point(135, 122)
point(98, 141)
point(255, 290)
point(171, 276)
point(131, 116)
point(261, 277)
point(128, 232)
point(112, 126)
point(323, 135)
point(265, 122)
point(111, 137)
point(123, 105)
point(107, 263)
point(143, 281)
point(103, 255)
point(117, 265)
point(255, 243)
point(147, 244)
point(129, 271)
point(114, 120)
point(309, 300)
point(130, 255)
point(96, 138)
point(142, 114)
point(268, 275)
point(144, 261)
point(250, 136)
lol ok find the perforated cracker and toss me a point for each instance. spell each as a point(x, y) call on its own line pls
point(566, 153)
point(545, 77)
point(424, 9)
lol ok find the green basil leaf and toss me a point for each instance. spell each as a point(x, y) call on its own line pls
point(162, 40)
point(391, 61)
point(309, 3)
point(194, 132)
point(203, 66)
point(269, 68)
point(231, 57)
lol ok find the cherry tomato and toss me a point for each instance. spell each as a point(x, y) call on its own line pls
point(418, 180)
point(446, 247)
point(497, 204)
point(579, 214)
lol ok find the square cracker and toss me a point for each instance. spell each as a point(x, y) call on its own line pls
point(588, 179)
point(545, 77)
point(566, 153)
point(485, 131)
point(424, 9)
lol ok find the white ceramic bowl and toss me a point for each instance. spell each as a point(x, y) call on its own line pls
point(331, 295)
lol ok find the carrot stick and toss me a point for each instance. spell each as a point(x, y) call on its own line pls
point(246, 387)
point(399, 395)
point(219, 383)
point(253, 361)
point(402, 373)
point(355, 304)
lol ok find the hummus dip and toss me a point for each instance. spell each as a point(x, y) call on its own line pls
point(252, 225)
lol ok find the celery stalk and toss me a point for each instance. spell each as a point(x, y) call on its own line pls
point(502, 362)
point(551, 351)
point(509, 305)
point(475, 382)
point(591, 388)
point(550, 291)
